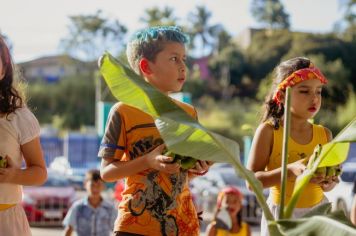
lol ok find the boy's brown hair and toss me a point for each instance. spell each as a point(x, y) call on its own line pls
point(93, 175)
point(149, 42)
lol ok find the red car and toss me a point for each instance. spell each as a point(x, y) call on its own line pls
point(48, 204)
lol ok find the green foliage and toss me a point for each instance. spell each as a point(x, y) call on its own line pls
point(156, 17)
point(91, 35)
point(201, 31)
point(227, 118)
point(266, 51)
point(196, 87)
point(69, 103)
point(307, 44)
point(264, 87)
point(270, 13)
point(233, 60)
point(346, 112)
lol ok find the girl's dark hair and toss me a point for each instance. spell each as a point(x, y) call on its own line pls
point(239, 217)
point(10, 98)
point(272, 111)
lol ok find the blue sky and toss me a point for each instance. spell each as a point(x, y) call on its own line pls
point(35, 27)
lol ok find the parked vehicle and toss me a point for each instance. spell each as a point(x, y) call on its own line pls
point(48, 204)
point(74, 174)
point(207, 187)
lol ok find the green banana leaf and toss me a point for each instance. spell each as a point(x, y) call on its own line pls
point(333, 153)
point(335, 223)
point(336, 151)
point(182, 134)
point(319, 221)
point(322, 209)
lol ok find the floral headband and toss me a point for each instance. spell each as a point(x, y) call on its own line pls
point(228, 190)
point(296, 77)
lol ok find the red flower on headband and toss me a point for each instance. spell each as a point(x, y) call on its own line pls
point(295, 78)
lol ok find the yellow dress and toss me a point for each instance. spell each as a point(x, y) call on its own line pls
point(313, 194)
point(243, 231)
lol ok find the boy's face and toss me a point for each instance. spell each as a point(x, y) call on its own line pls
point(94, 188)
point(168, 72)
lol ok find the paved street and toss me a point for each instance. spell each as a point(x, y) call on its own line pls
point(59, 231)
point(46, 231)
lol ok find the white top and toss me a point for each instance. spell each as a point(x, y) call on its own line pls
point(16, 129)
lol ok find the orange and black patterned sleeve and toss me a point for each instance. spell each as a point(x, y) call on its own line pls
point(113, 142)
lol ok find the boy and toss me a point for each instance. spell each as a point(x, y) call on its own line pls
point(91, 215)
point(156, 199)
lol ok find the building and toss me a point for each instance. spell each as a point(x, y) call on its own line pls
point(244, 38)
point(53, 68)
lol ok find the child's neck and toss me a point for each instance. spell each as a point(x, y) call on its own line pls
point(299, 124)
point(95, 201)
point(301, 131)
point(235, 226)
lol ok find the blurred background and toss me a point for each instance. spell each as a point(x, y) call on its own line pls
point(234, 47)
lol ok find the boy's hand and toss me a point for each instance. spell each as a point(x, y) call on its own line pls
point(201, 167)
point(7, 173)
point(160, 162)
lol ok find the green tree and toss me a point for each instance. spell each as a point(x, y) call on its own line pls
point(156, 17)
point(350, 14)
point(266, 51)
point(350, 19)
point(228, 68)
point(223, 40)
point(270, 13)
point(90, 35)
point(71, 100)
point(202, 32)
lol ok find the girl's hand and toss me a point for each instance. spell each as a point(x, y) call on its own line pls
point(6, 174)
point(329, 183)
point(317, 179)
point(200, 168)
point(160, 162)
point(296, 168)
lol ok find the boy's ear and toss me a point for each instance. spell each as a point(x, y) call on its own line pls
point(145, 67)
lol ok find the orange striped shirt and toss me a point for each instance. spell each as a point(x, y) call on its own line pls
point(153, 203)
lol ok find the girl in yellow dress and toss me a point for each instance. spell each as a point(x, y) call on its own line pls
point(229, 203)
